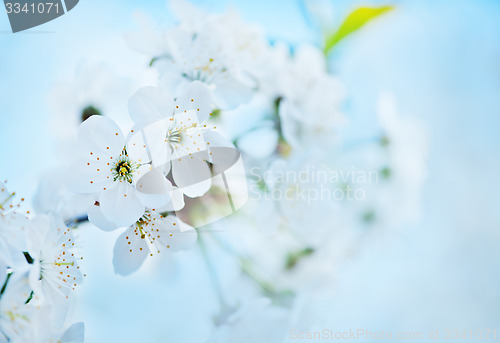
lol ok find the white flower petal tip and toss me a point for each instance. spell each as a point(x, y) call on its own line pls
point(97, 218)
point(197, 97)
point(192, 176)
point(231, 92)
point(99, 135)
point(149, 104)
point(130, 252)
point(177, 235)
point(121, 205)
point(74, 334)
point(226, 193)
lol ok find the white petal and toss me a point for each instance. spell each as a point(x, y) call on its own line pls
point(120, 204)
point(150, 104)
point(140, 172)
point(3, 269)
point(176, 203)
point(90, 176)
point(98, 219)
point(175, 234)
point(74, 334)
point(191, 175)
point(195, 96)
point(232, 92)
point(35, 282)
point(259, 143)
point(173, 81)
point(137, 149)
point(153, 189)
point(311, 59)
point(15, 230)
point(154, 135)
point(100, 136)
point(222, 153)
point(129, 253)
point(290, 128)
point(147, 40)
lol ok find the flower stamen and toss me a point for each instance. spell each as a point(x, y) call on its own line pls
point(123, 168)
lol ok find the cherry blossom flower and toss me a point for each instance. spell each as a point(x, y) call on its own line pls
point(54, 271)
point(111, 170)
point(96, 88)
point(311, 105)
point(176, 133)
point(200, 50)
point(22, 321)
point(152, 233)
point(15, 316)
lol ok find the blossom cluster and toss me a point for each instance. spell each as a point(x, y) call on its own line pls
point(38, 274)
point(223, 94)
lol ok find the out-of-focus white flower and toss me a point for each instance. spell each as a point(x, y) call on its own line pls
point(13, 239)
point(202, 57)
point(215, 49)
point(15, 316)
point(111, 170)
point(406, 145)
point(152, 233)
point(398, 157)
point(311, 107)
point(302, 192)
point(54, 196)
point(260, 143)
point(22, 321)
point(96, 89)
point(259, 321)
point(407, 142)
point(41, 330)
point(245, 41)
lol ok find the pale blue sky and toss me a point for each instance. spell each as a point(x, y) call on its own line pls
point(442, 60)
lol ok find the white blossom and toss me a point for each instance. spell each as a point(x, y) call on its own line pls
point(177, 134)
point(54, 270)
point(311, 107)
point(111, 171)
point(216, 50)
point(153, 233)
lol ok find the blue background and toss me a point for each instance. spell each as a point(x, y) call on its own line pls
point(442, 60)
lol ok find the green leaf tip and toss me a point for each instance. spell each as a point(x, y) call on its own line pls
point(353, 22)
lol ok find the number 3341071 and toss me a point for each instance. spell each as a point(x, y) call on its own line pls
point(41, 7)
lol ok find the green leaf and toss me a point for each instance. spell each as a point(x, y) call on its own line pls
point(354, 21)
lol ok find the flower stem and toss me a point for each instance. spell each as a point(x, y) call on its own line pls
point(213, 274)
point(248, 268)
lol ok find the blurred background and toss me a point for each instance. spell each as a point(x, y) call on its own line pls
point(442, 61)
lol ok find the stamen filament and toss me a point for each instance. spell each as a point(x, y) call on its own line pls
point(7, 199)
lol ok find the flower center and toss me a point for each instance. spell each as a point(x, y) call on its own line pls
point(123, 169)
point(174, 136)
